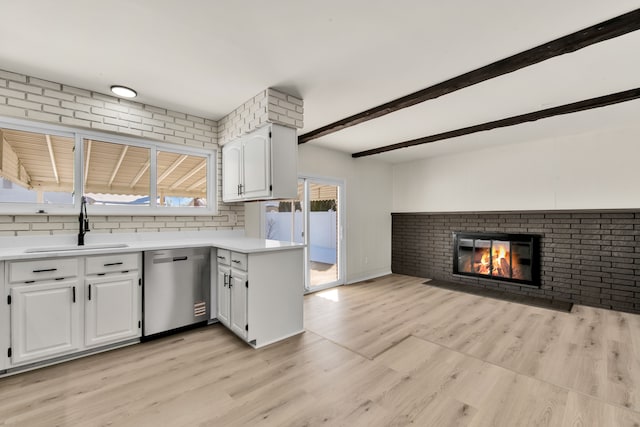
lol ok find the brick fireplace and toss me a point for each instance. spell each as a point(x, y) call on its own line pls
point(590, 258)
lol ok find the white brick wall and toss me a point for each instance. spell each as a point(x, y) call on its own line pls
point(32, 98)
point(269, 106)
point(23, 225)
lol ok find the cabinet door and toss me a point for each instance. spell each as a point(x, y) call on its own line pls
point(112, 312)
point(231, 170)
point(256, 161)
point(224, 300)
point(238, 287)
point(4, 323)
point(45, 320)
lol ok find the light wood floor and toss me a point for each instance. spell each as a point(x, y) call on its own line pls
point(388, 353)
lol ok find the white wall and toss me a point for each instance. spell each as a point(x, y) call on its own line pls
point(596, 170)
point(368, 206)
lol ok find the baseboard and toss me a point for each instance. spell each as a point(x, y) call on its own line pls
point(368, 276)
point(282, 338)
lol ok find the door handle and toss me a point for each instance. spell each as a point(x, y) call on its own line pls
point(89, 292)
point(109, 264)
point(225, 281)
point(179, 258)
point(74, 293)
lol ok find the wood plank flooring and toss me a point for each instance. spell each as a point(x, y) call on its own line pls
point(391, 352)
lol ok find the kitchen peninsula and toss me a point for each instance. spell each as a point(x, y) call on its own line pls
point(45, 281)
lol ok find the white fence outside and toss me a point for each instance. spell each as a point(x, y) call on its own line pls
point(287, 226)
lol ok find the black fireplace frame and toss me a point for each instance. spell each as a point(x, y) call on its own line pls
point(533, 239)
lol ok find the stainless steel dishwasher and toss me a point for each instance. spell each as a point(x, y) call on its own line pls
point(176, 289)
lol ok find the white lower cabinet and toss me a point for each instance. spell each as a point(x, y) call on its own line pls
point(53, 303)
point(4, 325)
point(45, 320)
point(224, 296)
point(111, 309)
point(238, 291)
point(232, 293)
point(260, 295)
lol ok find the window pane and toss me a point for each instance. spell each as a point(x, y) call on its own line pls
point(116, 174)
point(35, 168)
point(182, 180)
point(283, 218)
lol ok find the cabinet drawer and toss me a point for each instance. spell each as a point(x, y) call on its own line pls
point(239, 261)
point(102, 264)
point(42, 269)
point(224, 257)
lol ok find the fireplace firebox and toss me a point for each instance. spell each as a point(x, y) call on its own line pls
point(497, 256)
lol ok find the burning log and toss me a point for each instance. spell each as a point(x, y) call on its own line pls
point(504, 269)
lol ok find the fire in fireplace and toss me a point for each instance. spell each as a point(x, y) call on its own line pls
point(507, 257)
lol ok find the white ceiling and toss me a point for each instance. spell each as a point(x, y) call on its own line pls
point(342, 57)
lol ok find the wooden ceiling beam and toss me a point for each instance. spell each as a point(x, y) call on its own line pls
point(191, 173)
point(141, 172)
point(197, 184)
point(52, 157)
point(123, 153)
point(11, 167)
point(87, 162)
point(602, 101)
point(2, 142)
point(171, 168)
point(606, 30)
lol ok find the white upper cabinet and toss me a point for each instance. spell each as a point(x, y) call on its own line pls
point(231, 170)
point(261, 165)
point(256, 156)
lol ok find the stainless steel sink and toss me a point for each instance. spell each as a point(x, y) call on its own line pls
point(76, 248)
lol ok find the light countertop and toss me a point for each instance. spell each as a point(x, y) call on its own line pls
point(17, 248)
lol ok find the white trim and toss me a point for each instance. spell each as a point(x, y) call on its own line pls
point(293, 334)
point(66, 358)
point(323, 287)
point(342, 242)
point(369, 277)
point(80, 135)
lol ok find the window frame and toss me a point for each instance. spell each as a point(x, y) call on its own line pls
point(80, 135)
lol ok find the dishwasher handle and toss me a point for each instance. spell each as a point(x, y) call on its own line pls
point(180, 258)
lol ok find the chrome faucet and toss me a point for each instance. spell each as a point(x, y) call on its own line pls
point(83, 219)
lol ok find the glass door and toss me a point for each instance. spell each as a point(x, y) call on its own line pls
point(313, 218)
point(323, 227)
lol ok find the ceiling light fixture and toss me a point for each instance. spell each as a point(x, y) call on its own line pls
point(123, 91)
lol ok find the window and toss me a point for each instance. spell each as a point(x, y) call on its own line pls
point(182, 180)
point(42, 167)
point(116, 174)
point(36, 167)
